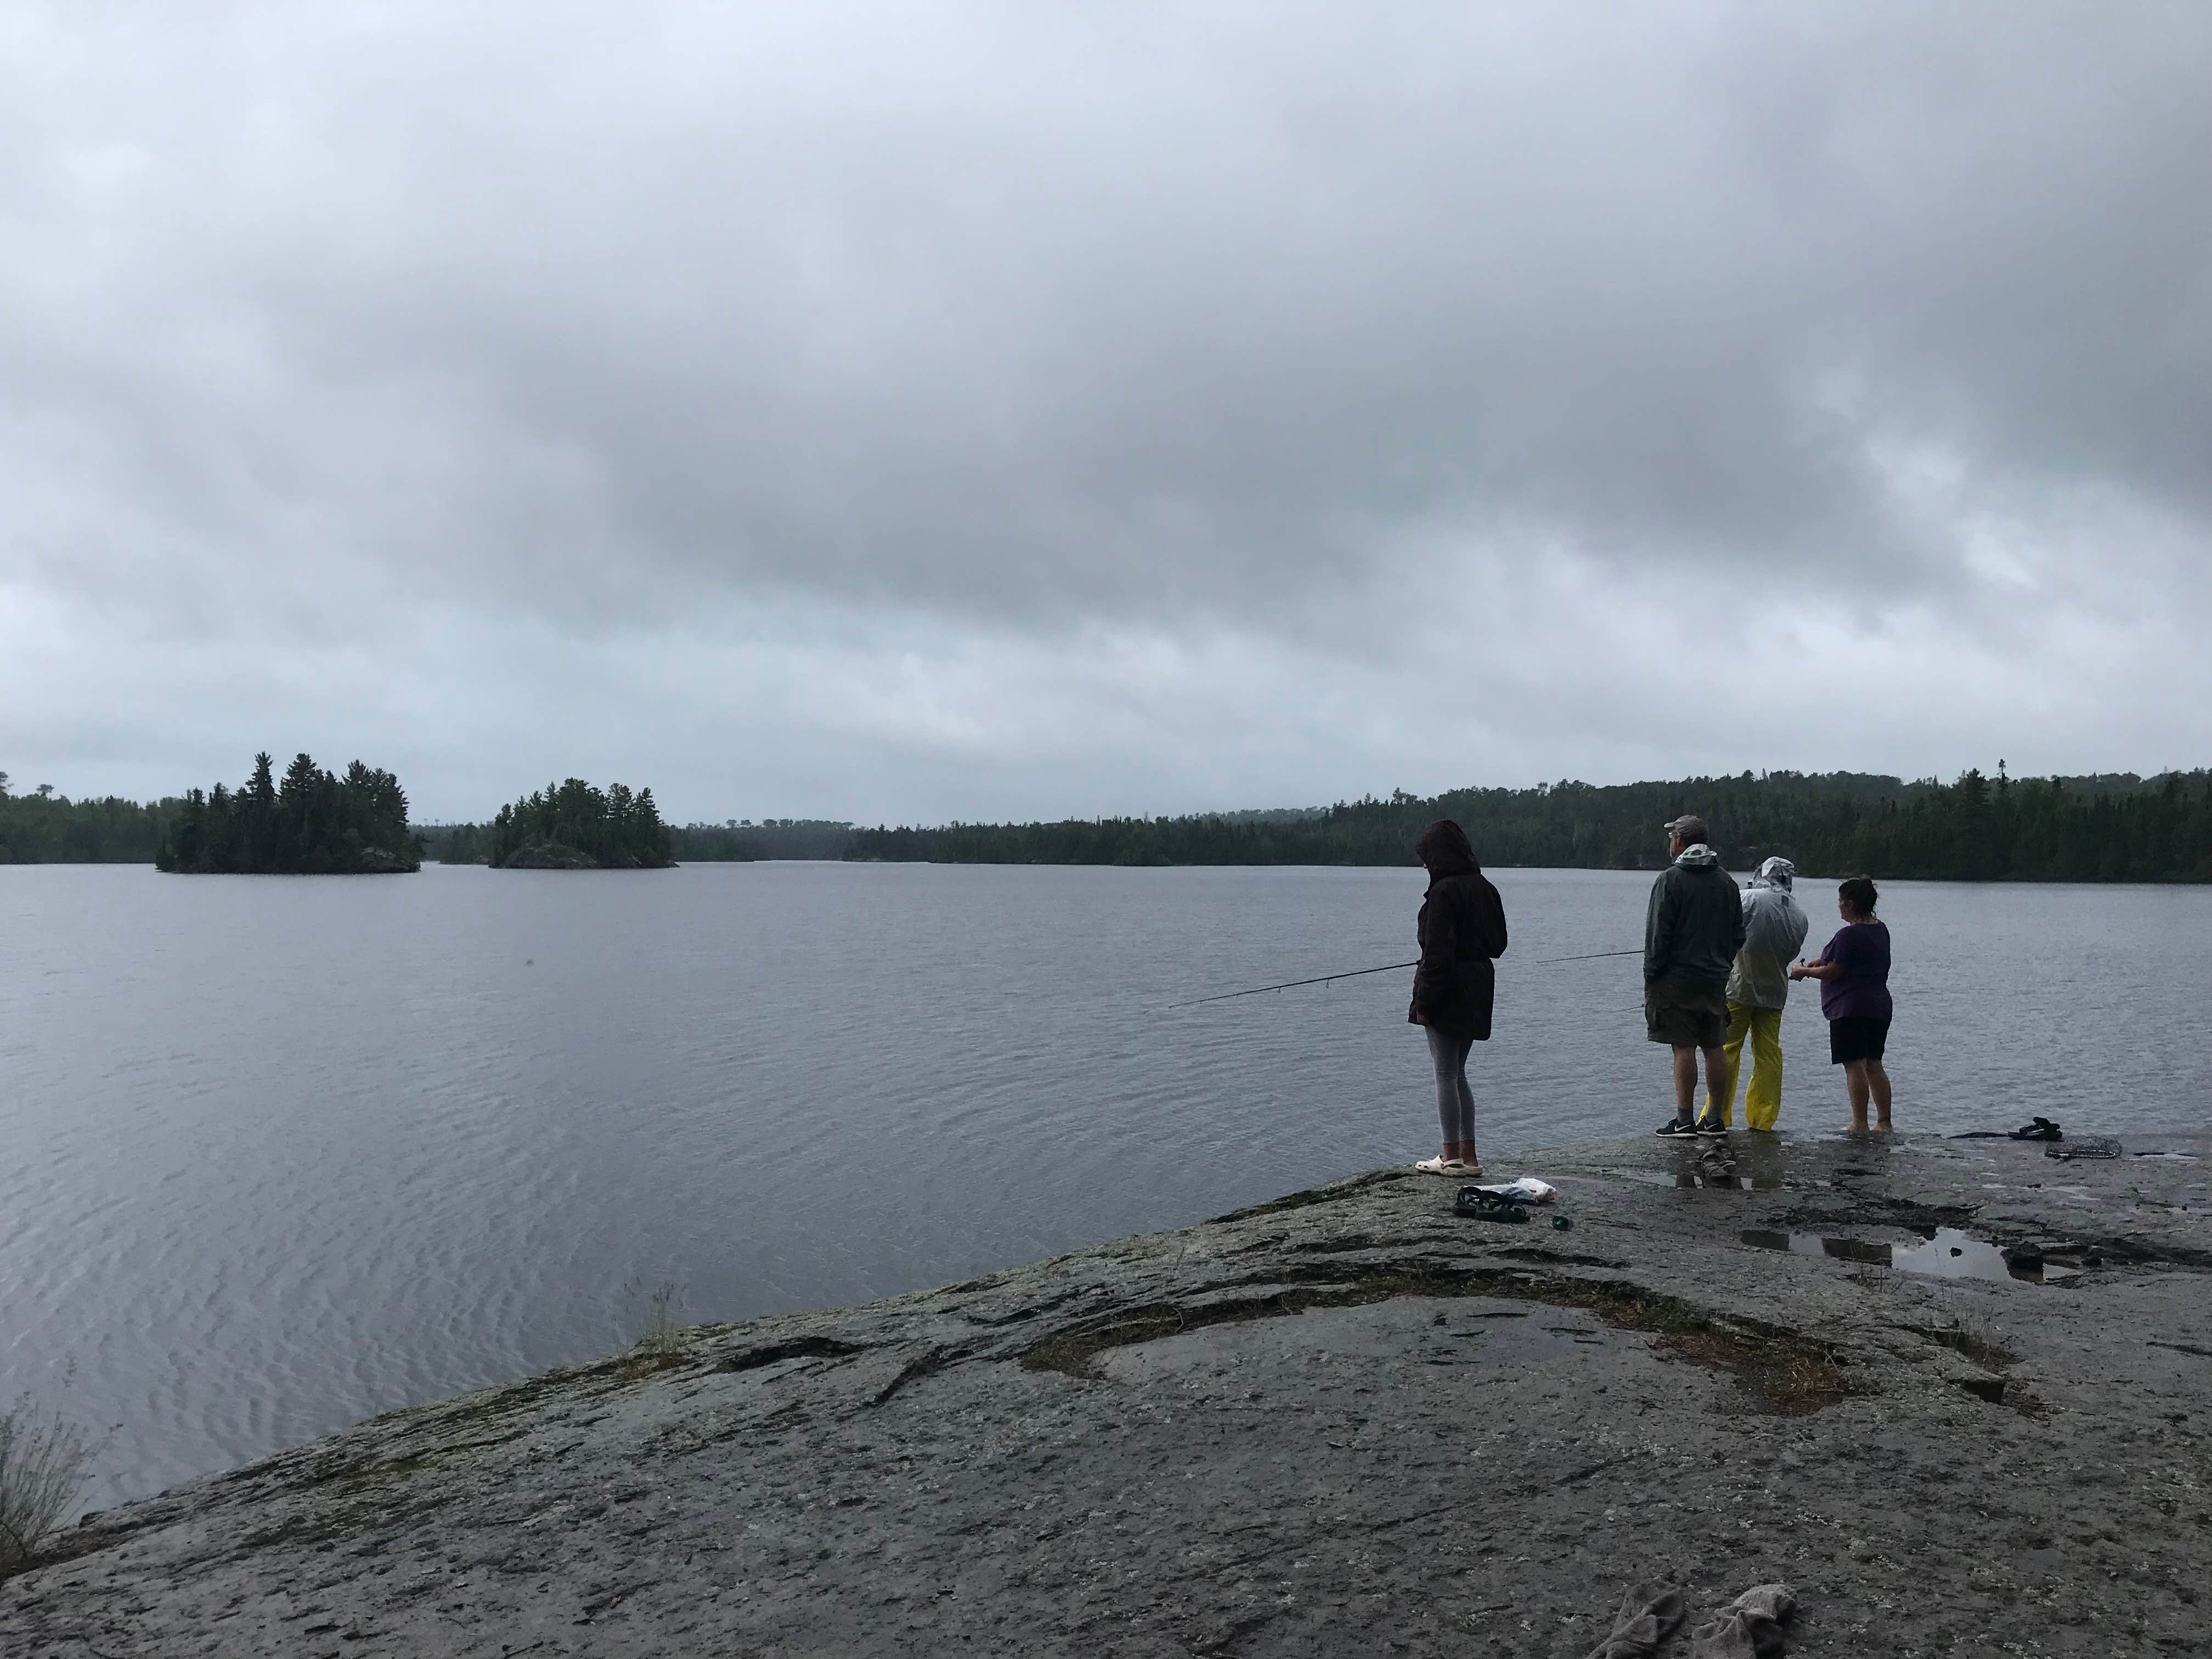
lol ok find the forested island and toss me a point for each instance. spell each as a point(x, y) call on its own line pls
point(733, 841)
point(2109, 828)
point(570, 825)
point(313, 822)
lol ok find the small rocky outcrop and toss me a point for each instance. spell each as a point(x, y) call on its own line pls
point(549, 855)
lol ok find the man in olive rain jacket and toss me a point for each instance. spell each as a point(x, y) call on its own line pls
point(1691, 932)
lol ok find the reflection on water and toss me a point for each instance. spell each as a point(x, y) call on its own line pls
point(1843, 1249)
point(1696, 1174)
point(1950, 1254)
point(1953, 1254)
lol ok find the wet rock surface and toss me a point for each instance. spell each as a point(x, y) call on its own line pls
point(1349, 1421)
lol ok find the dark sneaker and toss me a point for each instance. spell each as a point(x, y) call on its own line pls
point(1678, 1126)
point(1711, 1125)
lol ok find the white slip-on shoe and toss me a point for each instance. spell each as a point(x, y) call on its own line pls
point(1441, 1165)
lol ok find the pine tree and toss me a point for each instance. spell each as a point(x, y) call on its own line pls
point(574, 823)
point(313, 822)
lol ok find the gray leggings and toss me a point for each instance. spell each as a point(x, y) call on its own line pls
point(1454, 1101)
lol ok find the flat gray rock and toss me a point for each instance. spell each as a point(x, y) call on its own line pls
point(1347, 1422)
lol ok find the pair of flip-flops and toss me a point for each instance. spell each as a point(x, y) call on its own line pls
point(2036, 1128)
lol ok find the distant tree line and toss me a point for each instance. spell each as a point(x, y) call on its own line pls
point(451, 843)
point(715, 843)
point(740, 839)
point(2106, 828)
point(570, 825)
point(312, 822)
point(41, 827)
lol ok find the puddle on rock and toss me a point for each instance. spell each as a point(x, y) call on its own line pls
point(1702, 1177)
point(1949, 1254)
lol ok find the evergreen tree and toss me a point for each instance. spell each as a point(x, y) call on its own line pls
point(313, 824)
point(572, 824)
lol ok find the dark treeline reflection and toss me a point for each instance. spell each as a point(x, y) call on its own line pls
point(732, 842)
point(312, 822)
point(1978, 828)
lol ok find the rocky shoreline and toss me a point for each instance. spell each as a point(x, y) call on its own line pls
point(1347, 1421)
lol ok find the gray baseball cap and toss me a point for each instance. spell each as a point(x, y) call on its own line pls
point(1690, 827)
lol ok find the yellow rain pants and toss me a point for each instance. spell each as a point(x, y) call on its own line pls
point(1762, 1095)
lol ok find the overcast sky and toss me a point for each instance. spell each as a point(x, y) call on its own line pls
point(918, 412)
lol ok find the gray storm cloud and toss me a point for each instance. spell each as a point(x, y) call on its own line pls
point(880, 396)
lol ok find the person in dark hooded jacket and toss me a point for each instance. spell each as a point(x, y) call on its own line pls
point(1691, 932)
point(1462, 930)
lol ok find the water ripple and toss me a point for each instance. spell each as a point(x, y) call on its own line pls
point(283, 1152)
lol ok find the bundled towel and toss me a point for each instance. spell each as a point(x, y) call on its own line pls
point(1525, 1190)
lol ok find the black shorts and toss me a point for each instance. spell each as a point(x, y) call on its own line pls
point(1861, 1038)
point(1684, 1020)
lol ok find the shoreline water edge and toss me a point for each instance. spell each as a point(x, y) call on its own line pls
point(1956, 1394)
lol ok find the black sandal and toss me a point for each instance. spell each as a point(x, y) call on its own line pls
point(1487, 1206)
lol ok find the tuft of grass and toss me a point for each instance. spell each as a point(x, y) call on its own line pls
point(662, 1339)
point(662, 1327)
point(1974, 1336)
point(42, 1465)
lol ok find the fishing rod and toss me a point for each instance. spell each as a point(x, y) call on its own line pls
point(1289, 984)
point(1388, 967)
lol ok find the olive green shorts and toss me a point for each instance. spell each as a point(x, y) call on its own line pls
point(1686, 1019)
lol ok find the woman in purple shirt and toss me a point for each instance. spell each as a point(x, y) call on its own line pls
point(1854, 975)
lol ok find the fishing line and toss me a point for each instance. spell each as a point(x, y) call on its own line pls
point(1289, 984)
point(1388, 967)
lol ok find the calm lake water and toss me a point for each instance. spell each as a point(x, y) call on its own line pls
point(283, 1153)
